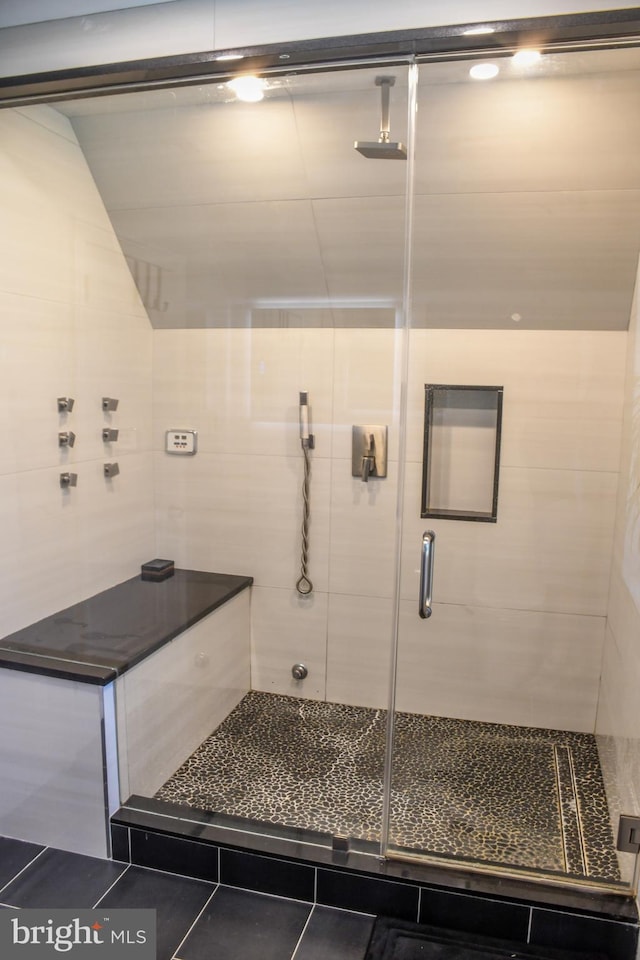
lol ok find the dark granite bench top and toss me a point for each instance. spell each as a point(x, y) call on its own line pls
point(96, 640)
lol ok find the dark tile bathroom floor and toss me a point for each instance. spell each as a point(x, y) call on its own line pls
point(527, 797)
point(195, 919)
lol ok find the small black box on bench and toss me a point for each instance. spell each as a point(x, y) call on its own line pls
point(157, 570)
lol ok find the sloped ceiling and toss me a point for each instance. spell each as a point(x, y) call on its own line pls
point(526, 199)
point(16, 12)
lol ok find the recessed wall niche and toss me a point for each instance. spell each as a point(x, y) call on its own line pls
point(461, 459)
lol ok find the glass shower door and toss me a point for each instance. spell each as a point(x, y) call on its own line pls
point(267, 243)
point(506, 753)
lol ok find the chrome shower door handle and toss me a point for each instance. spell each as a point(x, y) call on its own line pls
point(426, 574)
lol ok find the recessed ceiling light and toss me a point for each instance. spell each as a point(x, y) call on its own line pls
point(476, 31)
point(248, 88)
point(484, 71)
point(526, 58)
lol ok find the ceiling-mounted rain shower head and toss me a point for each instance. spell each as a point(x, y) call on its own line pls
point(383, 148)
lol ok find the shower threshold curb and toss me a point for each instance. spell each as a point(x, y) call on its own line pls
point(269, 844)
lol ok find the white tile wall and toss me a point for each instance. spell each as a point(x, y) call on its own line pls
point(366, 385)
point(240, 388)
point(36, 331)
point(522, 600)
point(216, 242)
point(621, 667)
point(550, 549)
point(618, 720)
point(363, 526)
point(168, 704)
point(563, 392)
point(220, 136)
point(61, 546)
point(583, 243)
point(288, 629)
point(242, 514)
point(627, 547)
point(500, 665)
point(359, 650)
point(52, 763)
point(462, 158)
point(73, 325)
point(362, 242)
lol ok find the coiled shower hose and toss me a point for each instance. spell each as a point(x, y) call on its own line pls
point(304, 585)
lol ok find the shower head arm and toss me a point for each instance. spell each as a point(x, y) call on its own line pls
point(385, 83)
point(382, 148)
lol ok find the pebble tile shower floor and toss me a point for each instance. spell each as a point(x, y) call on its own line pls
point(519, 796)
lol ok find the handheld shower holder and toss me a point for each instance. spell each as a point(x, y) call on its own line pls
point(306, 439)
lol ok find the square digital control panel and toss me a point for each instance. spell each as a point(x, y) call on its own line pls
point(181, 442)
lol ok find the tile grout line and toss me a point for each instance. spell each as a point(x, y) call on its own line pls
point(174, 955)
point(112, 885)
point(26, 866)
point(304, 930)
point(170, 873)
point(274, 896)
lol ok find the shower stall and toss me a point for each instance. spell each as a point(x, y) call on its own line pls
point(273, 256)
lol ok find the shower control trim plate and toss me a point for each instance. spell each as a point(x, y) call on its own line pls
point(369, 451)
point(628, 834)
point(183, 443)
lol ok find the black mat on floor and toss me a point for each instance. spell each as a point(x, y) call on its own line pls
point(400, 940)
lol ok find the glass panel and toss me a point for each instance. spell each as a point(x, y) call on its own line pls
point(508, 746)
point(258, 321)
point(207, 263)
